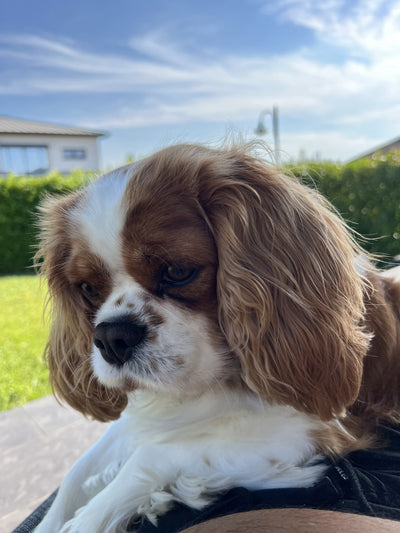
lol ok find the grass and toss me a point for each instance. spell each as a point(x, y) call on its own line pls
point(23, 334)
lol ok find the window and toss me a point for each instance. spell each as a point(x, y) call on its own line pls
point(74, 153)
point(22, 160)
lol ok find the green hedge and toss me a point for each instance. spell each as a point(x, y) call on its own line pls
point(366, 193)
point(19, 198)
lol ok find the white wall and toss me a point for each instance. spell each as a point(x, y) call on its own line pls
point(56, 145)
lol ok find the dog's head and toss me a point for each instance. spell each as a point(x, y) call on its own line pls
point(200, 268)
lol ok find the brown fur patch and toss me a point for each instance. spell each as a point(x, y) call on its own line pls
point(119, 301)
point(165, 227)
point(153, 318)
point(379, 396)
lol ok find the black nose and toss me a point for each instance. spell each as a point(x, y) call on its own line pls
point(117, 340)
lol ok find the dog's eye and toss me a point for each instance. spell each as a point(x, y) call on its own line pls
point(179, 276)
point(89, 291)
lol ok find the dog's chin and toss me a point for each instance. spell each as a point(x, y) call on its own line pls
point(120, 378)
point(110, 376)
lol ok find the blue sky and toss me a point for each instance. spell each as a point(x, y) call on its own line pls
point(156, 72)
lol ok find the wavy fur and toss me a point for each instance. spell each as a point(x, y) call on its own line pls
point(290, 302)
point(271, 343)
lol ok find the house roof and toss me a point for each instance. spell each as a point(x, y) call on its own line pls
point(17, 126)
point(394, 144)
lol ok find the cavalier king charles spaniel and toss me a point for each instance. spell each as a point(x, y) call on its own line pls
point(217, 310)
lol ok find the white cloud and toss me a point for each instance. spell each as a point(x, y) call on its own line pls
point(157, 45)
point(368, 28)
point(52, 57)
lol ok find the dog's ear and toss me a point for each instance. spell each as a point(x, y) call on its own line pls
point(379, 396)
point(70, 340)
point(290, 300)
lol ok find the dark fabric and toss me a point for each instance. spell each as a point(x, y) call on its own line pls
point(365, 482)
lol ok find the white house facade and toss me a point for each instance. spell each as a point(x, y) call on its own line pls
point(34, 148)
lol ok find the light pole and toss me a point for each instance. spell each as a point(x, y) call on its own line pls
point(262, 130)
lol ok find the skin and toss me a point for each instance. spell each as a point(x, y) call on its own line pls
point(295, 521)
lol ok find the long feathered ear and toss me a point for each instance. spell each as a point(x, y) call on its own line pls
point(379, 396)
point(290, 300)
point(70, 340)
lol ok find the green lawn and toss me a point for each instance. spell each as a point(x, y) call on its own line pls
point(23, 334)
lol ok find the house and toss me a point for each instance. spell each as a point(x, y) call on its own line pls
point(33, 148)
point(380, 150)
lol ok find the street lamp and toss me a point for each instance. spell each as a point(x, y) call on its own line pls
point(262, 130)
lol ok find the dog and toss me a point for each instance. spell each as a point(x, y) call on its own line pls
point(222, 315)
